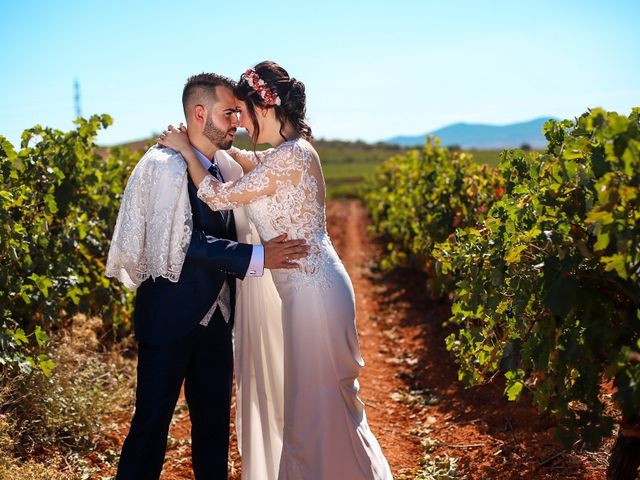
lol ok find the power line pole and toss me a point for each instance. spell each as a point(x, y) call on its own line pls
point(76, 98)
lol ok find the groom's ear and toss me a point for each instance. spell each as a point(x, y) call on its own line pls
point(200, 114)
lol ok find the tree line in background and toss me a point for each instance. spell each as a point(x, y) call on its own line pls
point(541, 256)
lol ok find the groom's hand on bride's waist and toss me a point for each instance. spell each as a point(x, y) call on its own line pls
point(282, 253)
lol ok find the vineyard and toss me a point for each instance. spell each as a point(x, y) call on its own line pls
point(533, 265)
point(58, 204)
point(59, 199)
point(541, 257)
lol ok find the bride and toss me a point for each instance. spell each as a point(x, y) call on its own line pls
point(325, 433)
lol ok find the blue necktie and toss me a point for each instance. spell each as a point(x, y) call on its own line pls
point(215, 171)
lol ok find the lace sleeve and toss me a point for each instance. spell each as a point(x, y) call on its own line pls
point(248, 160)
point(280, 166)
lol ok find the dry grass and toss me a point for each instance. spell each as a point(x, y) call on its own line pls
point(48, 425)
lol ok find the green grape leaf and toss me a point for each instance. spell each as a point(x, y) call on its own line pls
point(46, 365)
point(514, 254)
point(602, 242)
point(616, 262)
point(41, 336)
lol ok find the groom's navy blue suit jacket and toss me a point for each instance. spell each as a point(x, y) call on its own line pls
point(166, 311)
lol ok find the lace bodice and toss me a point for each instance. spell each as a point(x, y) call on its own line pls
point(285, 193)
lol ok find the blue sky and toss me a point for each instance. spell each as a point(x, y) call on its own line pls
point(372, 69)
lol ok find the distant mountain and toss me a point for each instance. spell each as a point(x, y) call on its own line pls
point(482, 136)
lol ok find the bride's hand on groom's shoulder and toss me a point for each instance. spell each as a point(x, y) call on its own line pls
point(175, 138)
point(282, 253)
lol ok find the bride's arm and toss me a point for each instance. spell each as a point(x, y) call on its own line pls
point(247, 160)
point(278, 166)
point(262, 181)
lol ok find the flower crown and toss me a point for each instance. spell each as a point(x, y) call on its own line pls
point(253, 79)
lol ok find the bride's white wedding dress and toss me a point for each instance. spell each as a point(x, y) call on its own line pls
point(325, 431)
point(259, 365)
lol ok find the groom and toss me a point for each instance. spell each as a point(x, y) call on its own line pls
point(183, 329)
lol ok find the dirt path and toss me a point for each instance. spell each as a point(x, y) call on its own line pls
point(393, 422)
point(428, 425)
point(473, 434)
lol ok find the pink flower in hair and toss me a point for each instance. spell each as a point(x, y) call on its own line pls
point(253, 79)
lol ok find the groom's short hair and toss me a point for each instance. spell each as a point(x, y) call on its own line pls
point(201, 89)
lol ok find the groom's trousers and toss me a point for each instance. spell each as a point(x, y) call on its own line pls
point(204, 361)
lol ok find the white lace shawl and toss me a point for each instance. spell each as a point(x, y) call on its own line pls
point(154, 225)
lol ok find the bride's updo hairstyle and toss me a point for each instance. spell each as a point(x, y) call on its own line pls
point(268, 85)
